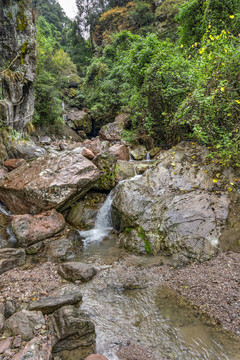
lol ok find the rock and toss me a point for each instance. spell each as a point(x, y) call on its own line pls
point(10, 308)
point(122, 119)
point(12, 164)
point(139, 153)
point(34, 248)
point(2, 322)
point(71, 328)
point(141, 168)
point(30, 229)
point(94, 146)
point(73, 271)
point(5, 221)
point(11, 258)
point(79, 120)
point(125, 169)
point(26, 150)
point(18, 37)
point(17, 342)
point(153, 152)
point(120, 151)
point(82, 134)
point(60, 250)
point(96, 357)
point(6, 344)
point(68, 133)
point(39, 348)
point(3, 172)
point(53, 181)
point(112, 131)
point(84, 212)
point(49, 304)
point(106, 163)
point(174, 207)
point(23, 323)
point(88, 154)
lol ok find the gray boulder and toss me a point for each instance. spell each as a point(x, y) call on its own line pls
point(73, 271)
point(48, 304)
point(179, 207)
point(60, 249)
point(112, 131)
point(11, 258)
point(26, 150)
point(52, 181)
point(24, 322)
point(71, 328)
point(79, 120)
point(39, 348)
point(139, 153)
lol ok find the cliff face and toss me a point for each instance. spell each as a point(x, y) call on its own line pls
point(17, 61)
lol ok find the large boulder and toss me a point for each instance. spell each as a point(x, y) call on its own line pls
point(79, 120)
point(25, 323)
point(112, 131)
point(60, 250)
point(30, 229)
point(11, 258)
point(71, 328)
point(180, 206)
point(52, 181)
point(73, 271)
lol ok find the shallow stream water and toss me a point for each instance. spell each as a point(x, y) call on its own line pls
point(128, 306)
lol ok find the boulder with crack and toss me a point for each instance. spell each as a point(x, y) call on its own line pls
point(52, 181)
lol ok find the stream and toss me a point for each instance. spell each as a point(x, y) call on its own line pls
point(129, 307)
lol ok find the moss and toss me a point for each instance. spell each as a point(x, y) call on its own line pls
point(21, 20)
point(10, 15)
point(147, 247)
point(23, 52)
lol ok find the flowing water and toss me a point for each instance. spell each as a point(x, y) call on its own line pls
point(128, 306)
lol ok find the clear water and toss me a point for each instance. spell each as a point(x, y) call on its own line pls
point(144, 314)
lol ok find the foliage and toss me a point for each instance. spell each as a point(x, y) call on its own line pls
point(55, 71)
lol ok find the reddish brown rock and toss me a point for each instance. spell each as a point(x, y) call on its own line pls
point(30, 229)
point(3, 172)
point(88, 153)
point(120, 151)
point(94, 146)
point(12, 164)
point(52, 181)
point(6, 344)
point(96, 357)
point(38, 348)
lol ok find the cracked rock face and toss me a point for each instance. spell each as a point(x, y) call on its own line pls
point(52, 181)
point(181, 206)
point(17, 61)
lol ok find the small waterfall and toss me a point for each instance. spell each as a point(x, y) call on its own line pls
point(103, 223)
point(131, 158)
point(148, 158)
point(4, 210)
point(64, 117)
point(63, 106)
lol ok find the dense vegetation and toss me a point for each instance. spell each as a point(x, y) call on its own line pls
point(188, 87)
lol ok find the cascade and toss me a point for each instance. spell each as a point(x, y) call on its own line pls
point(148, 157)
point(103, 223)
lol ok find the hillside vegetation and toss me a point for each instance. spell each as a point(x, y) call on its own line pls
point(180, 83)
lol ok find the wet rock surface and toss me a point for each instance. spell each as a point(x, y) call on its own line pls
point(180, 206)
point(73, 271)
point(53, 181)
point(32, 229)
